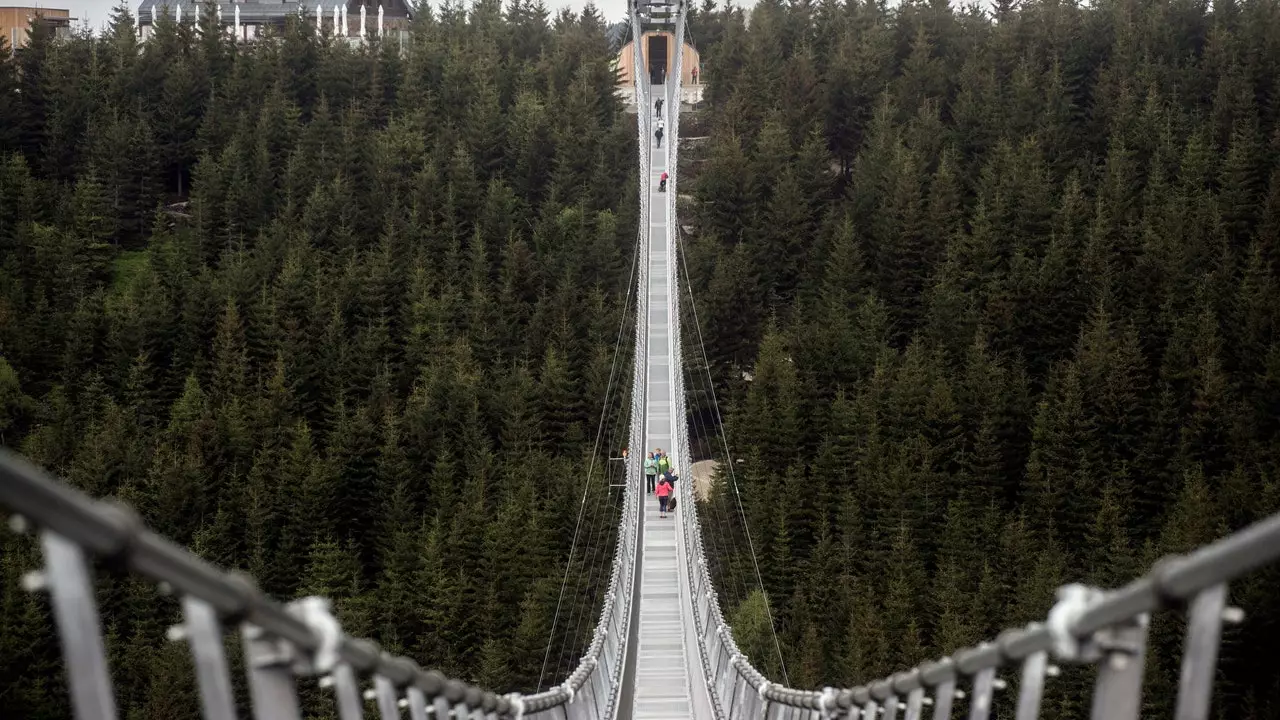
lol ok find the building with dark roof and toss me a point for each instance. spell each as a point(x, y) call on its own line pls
point(247, 21)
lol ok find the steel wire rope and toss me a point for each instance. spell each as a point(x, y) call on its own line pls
point(733, 476)
point(727, 564)
point(586, 485)
point(599, 542)
point(587, 580)
point(598, 521)
point(727, 552)
point(577, 612)
point(723, 536)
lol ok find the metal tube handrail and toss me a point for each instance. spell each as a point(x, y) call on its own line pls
point(114, 532)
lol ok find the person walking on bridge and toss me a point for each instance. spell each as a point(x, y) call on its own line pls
point(658, 134)
point(662, 182)
point(664, 460)
point(650, 473)
point(664, 496)
point(657, 107)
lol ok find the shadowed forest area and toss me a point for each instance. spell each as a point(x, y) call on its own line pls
point(367, 359)
point(989, 300)
point(1005, 287)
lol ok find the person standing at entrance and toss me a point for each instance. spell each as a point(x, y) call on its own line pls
point(694, 72)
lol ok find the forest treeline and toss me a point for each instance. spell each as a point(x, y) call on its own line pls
point(990, 298)
point(341, 317)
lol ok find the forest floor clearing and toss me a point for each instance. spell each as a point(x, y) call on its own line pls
point(703, 475)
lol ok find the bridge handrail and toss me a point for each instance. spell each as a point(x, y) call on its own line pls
point(73, 526)
point(609, 645)
point(1086, 626)
point(283, 642)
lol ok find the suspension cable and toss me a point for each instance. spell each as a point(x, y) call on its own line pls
point(586, 484)
point(733, 476)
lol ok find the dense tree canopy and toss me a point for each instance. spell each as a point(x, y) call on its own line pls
point(342, 317)
point(990, 299)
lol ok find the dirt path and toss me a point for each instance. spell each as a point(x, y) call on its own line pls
point(703, 476)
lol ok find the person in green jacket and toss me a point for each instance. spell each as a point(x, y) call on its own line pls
point(664, 462)
point(650, 472)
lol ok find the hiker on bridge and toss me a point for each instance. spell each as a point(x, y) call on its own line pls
point(650, 473)
point(664, 460)
point(664, 497)
point(658, 134)
point(657, 107)
point(662, 182)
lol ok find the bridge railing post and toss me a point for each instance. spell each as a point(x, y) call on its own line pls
point(202, 629)
point(67, 577)
point(1031, 686)
point(268, 662)
point(1117, 694)
point(346, 689)
point(1207, 613)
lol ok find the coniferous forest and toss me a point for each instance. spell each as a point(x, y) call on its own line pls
point(342, 318)
point(990, 304)
point(988, 300)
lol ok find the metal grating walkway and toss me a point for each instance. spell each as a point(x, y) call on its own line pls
point(669, 682)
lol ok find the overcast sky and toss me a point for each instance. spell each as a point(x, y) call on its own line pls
point(96, 12)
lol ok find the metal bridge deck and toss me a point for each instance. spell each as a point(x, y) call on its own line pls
point(668, 676)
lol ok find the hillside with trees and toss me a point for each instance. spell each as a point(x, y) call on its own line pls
point(990, 301)
point(339, 317)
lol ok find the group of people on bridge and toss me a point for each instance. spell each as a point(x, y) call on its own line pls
point(660, 478)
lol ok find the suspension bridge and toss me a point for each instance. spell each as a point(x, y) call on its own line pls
point(661, 649)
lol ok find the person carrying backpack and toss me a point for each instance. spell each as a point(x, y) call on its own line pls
point(658, 134)
point(650, 473)
point(664, 463)
point(662, 182)
point(664, 496)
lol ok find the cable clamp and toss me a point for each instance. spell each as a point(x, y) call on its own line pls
point(1073, 601)
point(517, 702)
point(764, 688)
point(317, 614)
point(568, 690)
point(827, 702)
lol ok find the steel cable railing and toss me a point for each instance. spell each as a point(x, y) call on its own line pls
point(609, 646)
point(284, 642)
point(281, 642)
point(1106, 630)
